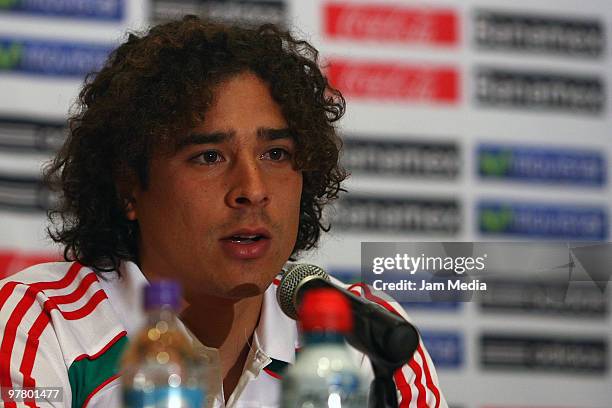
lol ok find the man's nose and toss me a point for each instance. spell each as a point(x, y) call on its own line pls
point(248, 185)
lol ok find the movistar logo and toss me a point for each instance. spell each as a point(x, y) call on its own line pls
point(496, 220)
point(89, 9)
point(7, 4)
point(10, 55)
point(495, 164)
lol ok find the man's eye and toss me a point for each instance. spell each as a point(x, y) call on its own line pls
point(277, 154)
point(209, 157)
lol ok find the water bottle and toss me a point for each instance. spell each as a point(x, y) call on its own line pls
point(324, 375)
point(161, 369)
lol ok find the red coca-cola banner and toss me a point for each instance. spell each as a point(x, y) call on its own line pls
point(395, 82)
point(391, 23)
point(13, 261)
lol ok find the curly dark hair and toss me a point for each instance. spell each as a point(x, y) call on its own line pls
point(154, 87)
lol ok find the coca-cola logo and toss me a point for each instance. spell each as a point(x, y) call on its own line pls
point(391, 23)
point(395, 81)
point(12, 261)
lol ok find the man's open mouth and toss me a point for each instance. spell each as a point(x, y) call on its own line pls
point(247, 243)
point(247, 236)
point(246, 239)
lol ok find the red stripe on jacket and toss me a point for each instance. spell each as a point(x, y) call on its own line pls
point(413, 364)
point(10, 331)
point(31, 348)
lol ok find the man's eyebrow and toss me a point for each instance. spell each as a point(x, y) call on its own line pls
point(220, 137)
point(274, 134)
point(204, 138)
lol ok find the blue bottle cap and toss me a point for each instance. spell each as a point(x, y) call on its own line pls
point(162, 293)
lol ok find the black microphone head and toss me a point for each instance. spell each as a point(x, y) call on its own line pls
point(291, 282)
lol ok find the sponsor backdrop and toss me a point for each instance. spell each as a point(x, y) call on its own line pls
point(480, 120)
point(468, 120)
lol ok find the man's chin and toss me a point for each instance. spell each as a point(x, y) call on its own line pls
point(245, 290)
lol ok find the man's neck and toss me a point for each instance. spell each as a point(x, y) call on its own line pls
point(227, 326)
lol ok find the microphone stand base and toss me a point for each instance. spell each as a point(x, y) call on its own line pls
point(382, 390)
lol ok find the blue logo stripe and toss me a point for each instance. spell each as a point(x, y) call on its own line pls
point(543, 221)
point(446, 349)
point(105, 10)
point(554, 166)
point(51, 58)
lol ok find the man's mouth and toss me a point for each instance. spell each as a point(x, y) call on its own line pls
point(246, 239)
point(247, 243)
point(247, 235)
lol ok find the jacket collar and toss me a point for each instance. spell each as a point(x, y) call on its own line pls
point(276, 334)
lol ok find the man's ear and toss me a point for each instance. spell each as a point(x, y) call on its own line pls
point(127, 188)
point(129, 208)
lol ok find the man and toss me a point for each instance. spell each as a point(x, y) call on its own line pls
point(203, 153)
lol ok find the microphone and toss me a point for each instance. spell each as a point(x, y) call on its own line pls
point(386, 338)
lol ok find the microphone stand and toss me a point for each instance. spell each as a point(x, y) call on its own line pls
point(386, 338)
point(382, 389)
point(389, 347)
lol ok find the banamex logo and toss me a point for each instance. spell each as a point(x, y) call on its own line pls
point(373, 155)
point(541, 34)
point(544, 91)
point(358, 212)
point(554, 353)
point(31, 135)
point(231, 11)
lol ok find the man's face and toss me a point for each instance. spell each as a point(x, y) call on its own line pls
point(221, 214)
